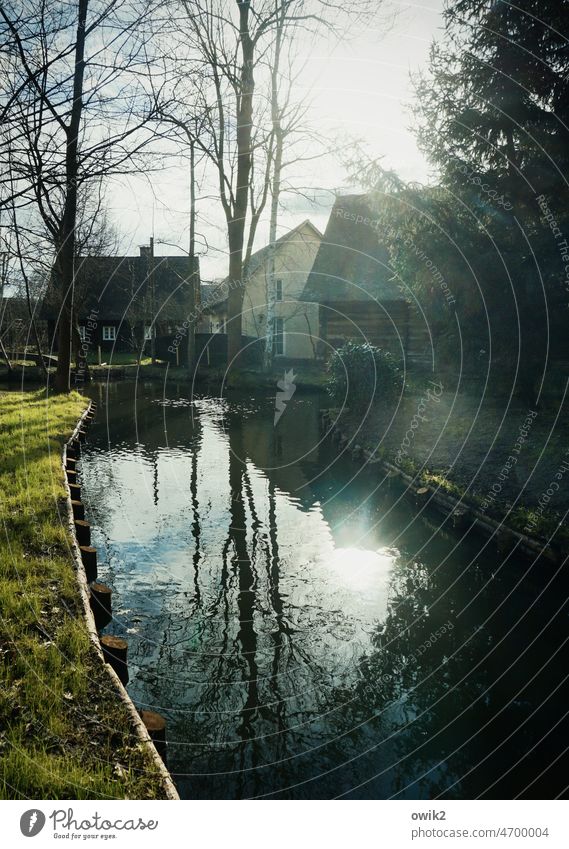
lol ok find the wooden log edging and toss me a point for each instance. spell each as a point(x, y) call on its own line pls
point(489, 526)
point(459, 510)
point(138, 725)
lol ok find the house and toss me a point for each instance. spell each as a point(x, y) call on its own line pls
point(15, 327)
point(123, 303)
point(356, 290)
point(213, 311)
point(296, 322)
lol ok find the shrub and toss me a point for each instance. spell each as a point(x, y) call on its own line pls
point(359, 374)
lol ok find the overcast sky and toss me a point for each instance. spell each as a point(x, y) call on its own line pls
point(359, 91)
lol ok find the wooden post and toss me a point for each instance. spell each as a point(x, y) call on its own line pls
point(71, 476)
point(82, 435)
point(83, 532)
point(71, 464)
point(89, 558)
point(505, 541)
point(156, 727)
point(75, 491)
point(115, 653)
point(357, 452)
point(460, 518)
point(78, 509)
point(99, 354)
point(101, 604)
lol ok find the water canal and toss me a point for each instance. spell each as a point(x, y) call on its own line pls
point(305, 630)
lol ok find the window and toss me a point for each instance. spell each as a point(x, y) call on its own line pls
point(82, 332)
point(279, 290)
point(109, 333)
point(279, 337)
point(147, 333)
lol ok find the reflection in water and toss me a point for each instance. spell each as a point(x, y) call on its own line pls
point(306, 634)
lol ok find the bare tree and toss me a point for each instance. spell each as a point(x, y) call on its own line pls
point(4, 263)
point(234, 42)
point(75, 107)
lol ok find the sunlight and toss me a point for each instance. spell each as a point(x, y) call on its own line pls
point(362, 570)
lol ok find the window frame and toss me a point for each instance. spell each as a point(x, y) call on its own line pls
point(109, 333)
point(279, 290)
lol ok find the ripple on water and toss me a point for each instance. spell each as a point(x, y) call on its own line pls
point(292, 619)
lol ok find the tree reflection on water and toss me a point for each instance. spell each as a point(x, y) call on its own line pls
point(305, 631)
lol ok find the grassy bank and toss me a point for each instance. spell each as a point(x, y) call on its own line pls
point(63, 731)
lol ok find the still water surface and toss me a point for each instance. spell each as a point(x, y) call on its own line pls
point(304, 630)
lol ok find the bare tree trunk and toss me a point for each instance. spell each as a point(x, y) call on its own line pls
point(41, 362)
point(236, 225)
point(65, 261)
point(3, 276)
point(152, 305)
point(6, 357)
point(192, 198)
point(275, 193)
point(271, 283)
point(194, 280)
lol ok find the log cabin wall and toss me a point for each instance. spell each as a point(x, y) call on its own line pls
point(393, 325)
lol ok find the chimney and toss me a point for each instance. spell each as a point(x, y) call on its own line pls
point(144, 250)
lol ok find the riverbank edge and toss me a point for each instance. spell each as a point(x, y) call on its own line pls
point(137, 724)
point(313, 379)
point(460, 511)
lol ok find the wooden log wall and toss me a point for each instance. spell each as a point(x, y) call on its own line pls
point(394, 325)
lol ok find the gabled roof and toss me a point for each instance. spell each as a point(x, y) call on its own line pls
point(212, 294)
point(351, 264)
point(259, 257)
point(219, 292)
point(117, 285)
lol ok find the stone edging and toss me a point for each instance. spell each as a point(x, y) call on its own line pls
point(137, 723)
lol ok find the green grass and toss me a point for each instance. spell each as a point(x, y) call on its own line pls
point(440, 481)
point(63, 731)
point(117, 358)
point(541, 525)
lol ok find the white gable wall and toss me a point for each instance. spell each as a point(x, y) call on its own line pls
point(294, 258)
